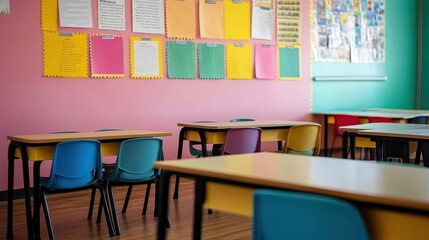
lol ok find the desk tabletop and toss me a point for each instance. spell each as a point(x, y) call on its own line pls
point(361, 181)
point(245, 124)
point(102, 135)
point(383, 127)
point(375, 113)
point(397, 110)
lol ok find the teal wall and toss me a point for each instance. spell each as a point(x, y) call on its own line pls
point(400, 67)
point(424, 99)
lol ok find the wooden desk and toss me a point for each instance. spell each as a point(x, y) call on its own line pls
point(39, 147)
point(393, 200)
point(385, 131)
point(398, 115)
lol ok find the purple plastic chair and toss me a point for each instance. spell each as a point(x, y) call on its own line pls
point(242, 140)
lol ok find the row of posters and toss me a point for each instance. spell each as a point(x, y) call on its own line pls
point(4, 7)
point(348, 30)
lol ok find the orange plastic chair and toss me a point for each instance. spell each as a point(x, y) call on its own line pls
point(303, 140)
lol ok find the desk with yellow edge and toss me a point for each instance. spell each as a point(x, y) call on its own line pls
point(393, 199)
point(398, 115)
point(215, 132)
point(39, 147)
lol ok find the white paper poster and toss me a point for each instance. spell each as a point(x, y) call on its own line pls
point(148, 16)
point(111, 14)
point(263, 19)
point(75, 13)
point(4, 7)
point(146, 62)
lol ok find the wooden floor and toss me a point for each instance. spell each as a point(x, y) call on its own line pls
point(69, 212)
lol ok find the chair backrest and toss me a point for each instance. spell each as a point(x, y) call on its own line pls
point(107, 129)
point(242, 140)
point(418, 120)
point(379, 119)
point(303, 140)
point(242, 120)
point(136, 158)
point(76, 164)
point(294, 215)
point(344, 120)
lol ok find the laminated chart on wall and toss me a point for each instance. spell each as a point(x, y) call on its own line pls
point(180, 19)
point(65, 54)
point(239, 64)
point(75, 13)
point(237, 19)
point(348, 31)
point(289, 22)
point(146, 57)
point(265, 61)
point(4, 7)
point(263, 19)
point(107, 56)
point(111, 15)
point(181, 59)
point(148, 16)
point(289, 62)
point(49, 19)
point(211, 61)
point(211, 19)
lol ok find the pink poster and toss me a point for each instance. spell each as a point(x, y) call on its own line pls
point(107, 56)
point(265, 61)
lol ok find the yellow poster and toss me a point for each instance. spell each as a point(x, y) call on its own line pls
point(237, 20)
point(49, 14)
point(239, 63)
point(65, 54)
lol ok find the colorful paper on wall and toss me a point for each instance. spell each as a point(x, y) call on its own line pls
point(211, 60)
point(211, 19)
point(265, 61)
point(181, 59)
point(289, 62)
point(263, 19)
point(289, 22)
point(75, 13)
point(49, 15)
point(4, 7)
point(180, 18)
point(107, 56)
point(65, 54)
point(111, 15)
point(148, 16)
point(146, 57)
point(237, 19)
point(239, 62)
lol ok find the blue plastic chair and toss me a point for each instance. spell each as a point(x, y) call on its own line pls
point(242, 120)
point(242, 140)
point(134, 165)
point(76, 165)
point(294, 215)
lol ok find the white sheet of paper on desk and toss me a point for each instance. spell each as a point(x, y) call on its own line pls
point(148, 16)
point(146, 62)
point(111, 14)
point(4, 7)
point(75, 13)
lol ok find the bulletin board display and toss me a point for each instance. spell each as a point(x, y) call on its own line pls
point(188, 39)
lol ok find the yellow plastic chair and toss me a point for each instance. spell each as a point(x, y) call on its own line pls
point(303, 140)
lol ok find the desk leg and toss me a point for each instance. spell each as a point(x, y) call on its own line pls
point(200, 194)
point(26, 176)
point(36, 200)
point(326, 134)
point(345, 137)
point(10, 183)
point(378, 150)
point(352, 146)
point(179, 156)
point(418, 153)
point(163, 204)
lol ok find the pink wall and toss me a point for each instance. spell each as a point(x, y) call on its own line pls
point(33, 104)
